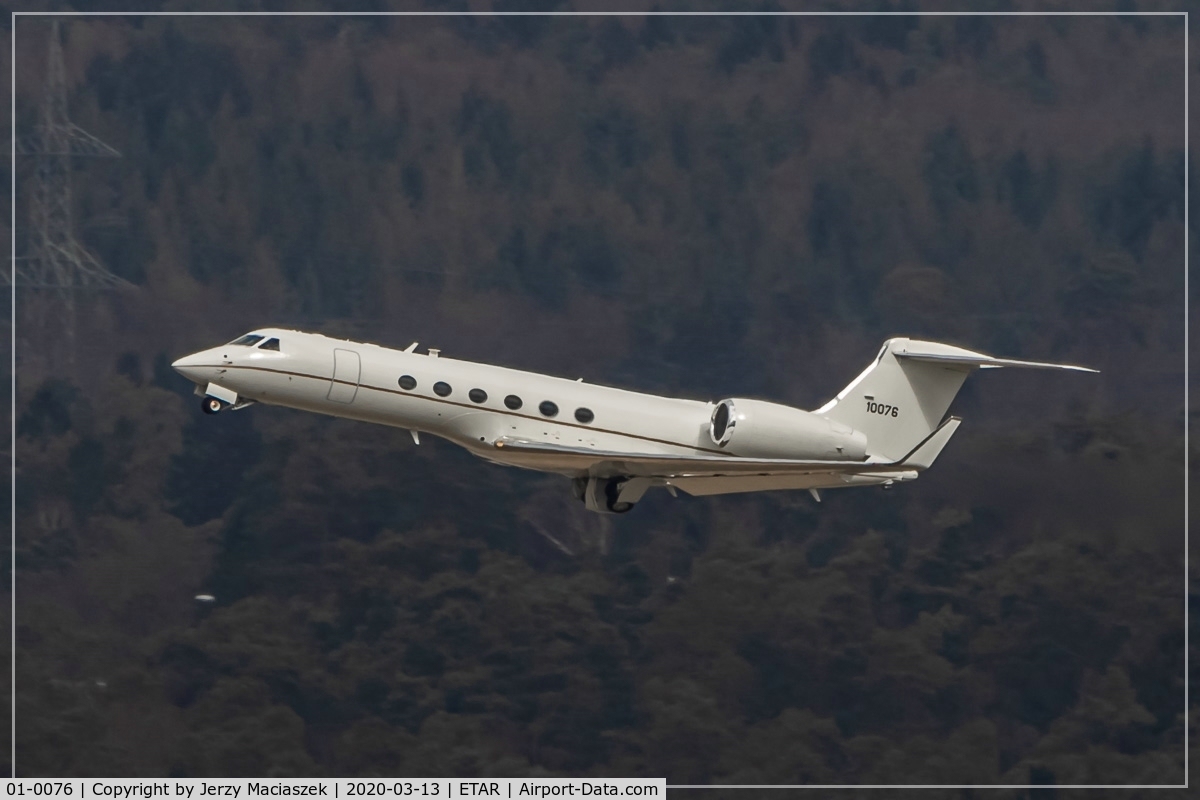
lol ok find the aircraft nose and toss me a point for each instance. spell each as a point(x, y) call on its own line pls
point(190, 367)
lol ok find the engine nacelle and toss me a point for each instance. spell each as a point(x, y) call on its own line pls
point(757, 429)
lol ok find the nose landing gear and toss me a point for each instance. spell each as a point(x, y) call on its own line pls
point(211, 405)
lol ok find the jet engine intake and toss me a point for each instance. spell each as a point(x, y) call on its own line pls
point(758, 429)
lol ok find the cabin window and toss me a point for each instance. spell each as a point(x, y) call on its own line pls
point(249, 339)
point(441, 389)
point(408, 382)
point(513, 402)
point(477, 395)
point(270, 344)
point(548, 408)
point(584, 414)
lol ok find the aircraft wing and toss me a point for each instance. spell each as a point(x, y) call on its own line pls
point(604, 463)
point(607, 463)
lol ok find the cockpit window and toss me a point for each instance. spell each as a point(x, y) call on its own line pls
point(249, 339)
point(269, 344)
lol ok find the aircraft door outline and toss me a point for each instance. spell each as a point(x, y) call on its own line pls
point(347, 369)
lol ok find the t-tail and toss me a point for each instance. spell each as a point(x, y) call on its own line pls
point(899, 401)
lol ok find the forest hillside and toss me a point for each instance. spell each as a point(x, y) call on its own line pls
point(704, 206)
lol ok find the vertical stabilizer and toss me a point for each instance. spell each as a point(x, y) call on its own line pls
point(902, 396)
point(898, 402)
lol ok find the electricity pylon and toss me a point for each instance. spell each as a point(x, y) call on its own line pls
point(57, 261)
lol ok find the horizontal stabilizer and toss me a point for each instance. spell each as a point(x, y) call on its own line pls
point(924, 456)
point(967, 358)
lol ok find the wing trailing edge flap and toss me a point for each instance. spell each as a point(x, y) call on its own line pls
point(609, 463)
point(706, 485)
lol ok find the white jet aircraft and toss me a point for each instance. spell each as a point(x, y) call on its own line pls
point(886, 426)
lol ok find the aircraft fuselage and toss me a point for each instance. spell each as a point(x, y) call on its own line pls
point(361, 381)
point(886, 426)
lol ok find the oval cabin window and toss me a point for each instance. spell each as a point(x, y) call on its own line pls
point(441, 389)
point(477, 395)
point(513, 402)
point(584, 414)
point(408, 382)
point(548, 408)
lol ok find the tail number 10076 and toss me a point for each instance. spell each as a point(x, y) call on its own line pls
point(880, 408)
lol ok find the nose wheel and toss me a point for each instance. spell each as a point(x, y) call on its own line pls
point(211, 405)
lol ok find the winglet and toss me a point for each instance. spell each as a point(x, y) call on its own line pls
point(924, 456)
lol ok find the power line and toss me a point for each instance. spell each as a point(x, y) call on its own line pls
point(56, 259)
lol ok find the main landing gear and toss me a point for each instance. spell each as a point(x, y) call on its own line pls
point(610, 495)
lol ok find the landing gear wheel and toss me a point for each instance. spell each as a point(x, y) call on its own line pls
point(604, 495)
point(612, 490)
point(211, 405)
